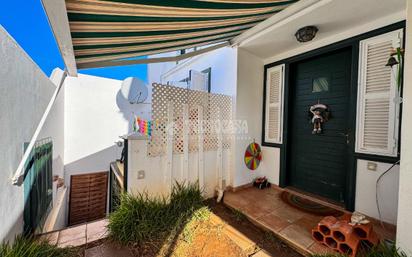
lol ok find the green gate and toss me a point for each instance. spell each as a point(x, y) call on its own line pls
point(38, 186)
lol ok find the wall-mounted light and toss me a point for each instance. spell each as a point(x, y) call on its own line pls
point(396, 59)
point(392, 62)
point(306, 34)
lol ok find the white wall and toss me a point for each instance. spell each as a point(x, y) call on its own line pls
point(270, 165)
point(54, 126)
point(156, 181)
point(365, 201)
point(95, 116)
point(353, 31)
point(57, 218)
point(155, 70)
point(25, 92)
point(404, 236)
point(249, 104)
point(222, 63)
point(249, 94)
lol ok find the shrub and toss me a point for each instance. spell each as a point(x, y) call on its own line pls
point(140, 218)
point(28, 247)
point(382, 250)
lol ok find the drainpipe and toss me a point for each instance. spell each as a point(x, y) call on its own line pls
point(18, 177)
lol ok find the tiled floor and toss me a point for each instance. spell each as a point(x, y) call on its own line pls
point(267, 209)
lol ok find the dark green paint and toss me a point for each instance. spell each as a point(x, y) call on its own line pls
point(354, 44)
point(156, 49)
point(155, 32)
point(119, 18)
point(83, 47)
point(318, 163)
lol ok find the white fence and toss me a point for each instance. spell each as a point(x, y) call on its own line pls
point(191, 141)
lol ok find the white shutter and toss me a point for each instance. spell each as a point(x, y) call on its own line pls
point(378, 112)
point(274, 104)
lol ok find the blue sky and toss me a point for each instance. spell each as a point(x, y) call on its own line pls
point(27, 23)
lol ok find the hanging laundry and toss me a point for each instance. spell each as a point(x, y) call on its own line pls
point(143, 126)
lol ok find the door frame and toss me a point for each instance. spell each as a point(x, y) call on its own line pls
point(353, 43)
point(352, 99)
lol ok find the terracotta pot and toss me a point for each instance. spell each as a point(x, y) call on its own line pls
point(363, 231)
point(342, 231)
point(325, 225)
point(318, 236)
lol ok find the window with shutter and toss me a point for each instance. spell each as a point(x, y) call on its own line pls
point(378, 110)
point(274, 104)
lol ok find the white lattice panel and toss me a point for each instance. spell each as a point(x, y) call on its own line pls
point(211, 104)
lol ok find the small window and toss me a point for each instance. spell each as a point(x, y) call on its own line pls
point(320, 84)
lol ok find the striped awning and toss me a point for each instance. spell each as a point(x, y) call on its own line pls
point(113, 30)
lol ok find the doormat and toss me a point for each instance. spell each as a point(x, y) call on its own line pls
point(309, 206)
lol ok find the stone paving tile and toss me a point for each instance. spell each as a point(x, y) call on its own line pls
point(308, 222)
point(96, 230)
point(51, 237)
point(288, 214)
point(273, 222)
point(234, 200)
point(298, 235)
point(73, 243)
point(107, 250)
point(73, 236)
point(267, 209)
point(257, 210)
point(262, 253)
point(320, 249)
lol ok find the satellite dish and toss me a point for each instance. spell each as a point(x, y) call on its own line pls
point(134, 90)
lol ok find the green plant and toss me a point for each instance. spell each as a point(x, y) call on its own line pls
point(238, 215)
point(28, 247)
point(382, 250)
point(140, 218)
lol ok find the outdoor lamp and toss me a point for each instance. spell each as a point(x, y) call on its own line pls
point(392, 61)
point(306, 34)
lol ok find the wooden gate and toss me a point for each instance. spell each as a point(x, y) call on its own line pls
point(88, 197)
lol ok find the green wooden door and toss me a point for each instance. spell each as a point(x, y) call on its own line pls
point(318, 162)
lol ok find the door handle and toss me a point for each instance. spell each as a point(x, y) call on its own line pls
point(345, 135)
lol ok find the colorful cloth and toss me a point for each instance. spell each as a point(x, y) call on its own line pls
point(142, 126)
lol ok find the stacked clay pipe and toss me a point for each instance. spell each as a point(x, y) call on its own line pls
point(343, 237)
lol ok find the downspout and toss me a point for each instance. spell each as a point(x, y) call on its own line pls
point(18, 176)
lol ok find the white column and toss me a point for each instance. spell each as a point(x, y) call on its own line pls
point(185, 164)
point(200, 153)
point(404, 226)
point(219, 160)
point(169, 146)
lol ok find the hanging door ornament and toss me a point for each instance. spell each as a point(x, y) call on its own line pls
point(318, 114)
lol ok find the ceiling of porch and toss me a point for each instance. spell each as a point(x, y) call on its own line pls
point(332, 17)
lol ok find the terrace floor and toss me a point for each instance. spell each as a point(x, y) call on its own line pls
point(266, 209)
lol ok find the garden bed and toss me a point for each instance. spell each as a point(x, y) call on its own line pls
point(184, 225)
point(212, 230)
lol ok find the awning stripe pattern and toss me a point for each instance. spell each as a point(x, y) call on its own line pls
point(111, 30)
